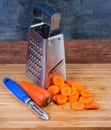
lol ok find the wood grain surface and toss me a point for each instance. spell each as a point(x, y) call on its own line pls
point(76, 51)
point(95, 77)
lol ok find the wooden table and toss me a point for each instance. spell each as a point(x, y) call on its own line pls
point(95, 77)
point(76, 51)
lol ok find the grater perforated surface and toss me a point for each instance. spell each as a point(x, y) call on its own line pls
point(36, 58)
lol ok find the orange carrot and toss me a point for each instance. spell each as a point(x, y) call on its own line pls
point(58, 80)
point(92, 105)
point(73, 91)
point(53, 89)
point(55, 97)
point(63, 86)
point(77, 106)
point(77, 85)
point(61, 99)
point(41, 96)
point(86, 93)
point(66, 91)
point(84, 99)
point(69, 82)
point(73, 98)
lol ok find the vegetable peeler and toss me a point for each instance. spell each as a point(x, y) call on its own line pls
point(22, 96)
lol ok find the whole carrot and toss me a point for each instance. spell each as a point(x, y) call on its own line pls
point(41, 96)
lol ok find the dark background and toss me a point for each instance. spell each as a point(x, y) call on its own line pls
point(80, 19)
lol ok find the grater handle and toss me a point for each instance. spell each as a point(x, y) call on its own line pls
point(48, 11)
point(43, 8)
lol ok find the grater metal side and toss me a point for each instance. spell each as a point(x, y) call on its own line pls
point(55, 59)
point(36, 57)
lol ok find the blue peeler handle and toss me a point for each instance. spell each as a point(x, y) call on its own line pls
point(16, 90)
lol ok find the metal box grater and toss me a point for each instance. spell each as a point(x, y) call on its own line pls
point(46, 56)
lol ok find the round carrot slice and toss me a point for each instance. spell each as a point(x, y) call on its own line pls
point(86, 93)
point(61, 99)
point(58, 80)
point(77, 106)
point(53, 89)
point(73, 91)
point(69, 82)
point(73, 98)
point(77, 85)
point(66, 91)
point(63, 86)
point(85, 100)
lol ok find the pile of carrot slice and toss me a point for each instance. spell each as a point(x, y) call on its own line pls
point(72, 92)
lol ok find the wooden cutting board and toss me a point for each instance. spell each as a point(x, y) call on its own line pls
point(95, 77)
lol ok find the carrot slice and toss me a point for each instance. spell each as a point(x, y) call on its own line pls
point(77, 85)
point(92, 105)
point(85, 100)
point(77, 106)
point(73, 98)
point(86, 93)
point(58, 80)
point(63, 86)
point(66, 91)
point(53, 89)
point(61, 99)
point(69, 82)
point(73, 91)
